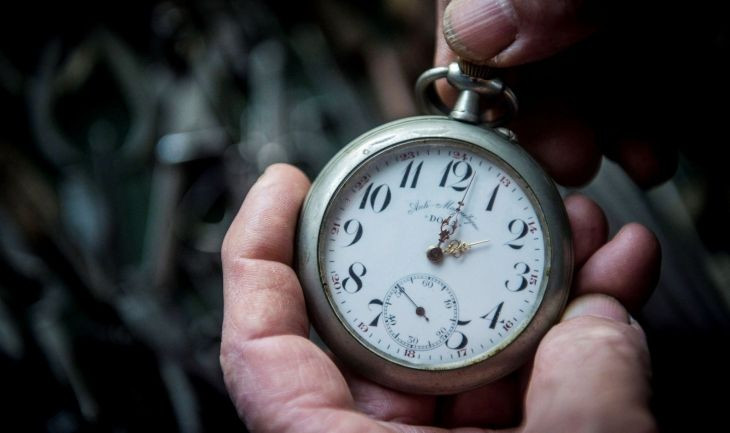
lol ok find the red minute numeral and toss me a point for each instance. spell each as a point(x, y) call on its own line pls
point(460, 155)
point(361, 182)
point(507, 325)
point(335, 280)
point(406, 155)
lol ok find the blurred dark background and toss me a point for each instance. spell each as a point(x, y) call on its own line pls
point(131, 132)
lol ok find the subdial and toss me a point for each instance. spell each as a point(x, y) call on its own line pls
point(420, 312)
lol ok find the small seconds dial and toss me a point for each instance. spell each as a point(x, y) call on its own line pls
point(420, 312)
point(433, 254)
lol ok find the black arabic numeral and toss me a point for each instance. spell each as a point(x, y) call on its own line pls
point(446, 174)
point(374, 198)
point(391, 320)
point(357, 231)
point(490, 204)
point(463, 340)
point(454, 168)
point(376, 302)
point(519, 228)
point(521, 274)
point(407, 174)
point(354, 278)
point(493, 315)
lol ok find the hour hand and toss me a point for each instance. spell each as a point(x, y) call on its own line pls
point(457, 248)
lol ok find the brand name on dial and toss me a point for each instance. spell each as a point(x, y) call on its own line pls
point(436, 211)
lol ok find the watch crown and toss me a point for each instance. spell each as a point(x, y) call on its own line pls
point(474, 70)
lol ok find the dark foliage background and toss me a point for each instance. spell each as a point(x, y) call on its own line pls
point(132, 130)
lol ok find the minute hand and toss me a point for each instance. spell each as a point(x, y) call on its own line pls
point(450, 223)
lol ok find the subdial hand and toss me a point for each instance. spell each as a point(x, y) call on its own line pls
point(420, 311)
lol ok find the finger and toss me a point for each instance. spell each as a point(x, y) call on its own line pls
point(499, 404)
point(276, 377)
point(588, 225)
point(626, 268)
point(564, 144)
point(512, 32)
point(551, 130)
point(264, 226)
point(648, 163)
point(274, 374)
point(591, 373)
point(262, 295)
point(495, 405)
point(443, 56)
point(389, 405)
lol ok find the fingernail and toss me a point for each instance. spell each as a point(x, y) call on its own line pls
point(478, 30)
point(264, 176)
point(596, 305)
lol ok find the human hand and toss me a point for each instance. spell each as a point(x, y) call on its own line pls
point(575, 104)
point(590, 372)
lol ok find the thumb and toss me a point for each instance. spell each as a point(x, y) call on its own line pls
point(510, 32)
point(591, 372)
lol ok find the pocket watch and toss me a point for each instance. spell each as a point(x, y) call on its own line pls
point(433, 251)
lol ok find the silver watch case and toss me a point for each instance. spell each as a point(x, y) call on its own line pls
point(345, 344)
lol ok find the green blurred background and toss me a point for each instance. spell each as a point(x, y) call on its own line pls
point(132, 130)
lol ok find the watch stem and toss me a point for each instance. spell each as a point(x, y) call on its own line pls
point(474, 69)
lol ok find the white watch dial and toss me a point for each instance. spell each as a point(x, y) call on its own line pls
point(412, 309)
